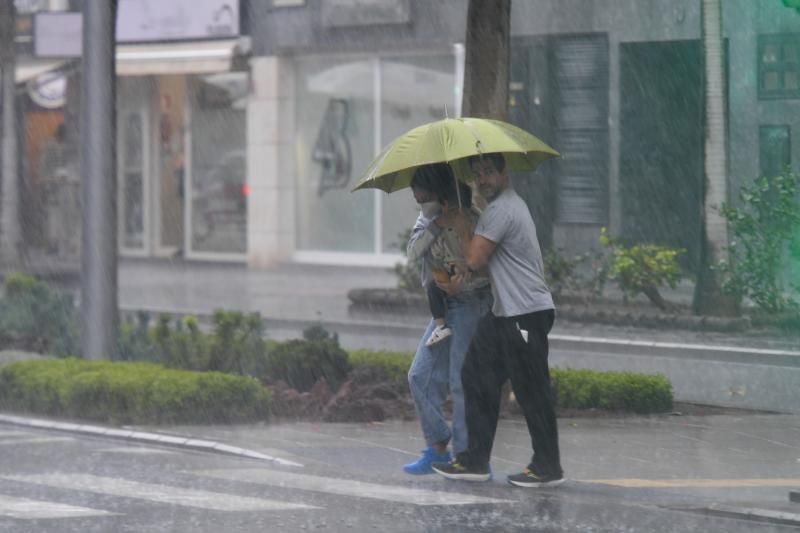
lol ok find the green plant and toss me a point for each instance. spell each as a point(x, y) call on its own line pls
point(642, 268)
point(238, 343)
point(396, 364)
point(124, 392)
point(300, 363)
point(762, 226)
point(616, 391)
point(37, 317)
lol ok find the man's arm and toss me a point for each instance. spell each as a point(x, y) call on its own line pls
point(477, 248)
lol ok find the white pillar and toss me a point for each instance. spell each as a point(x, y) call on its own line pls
point(270, 163)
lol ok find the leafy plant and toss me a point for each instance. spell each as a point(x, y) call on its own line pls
point(37, 317)
point(642, 268)
point(584, 275)
point(762, 226)
point(300, 363)
point(124, 392)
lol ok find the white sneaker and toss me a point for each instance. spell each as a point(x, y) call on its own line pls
point(439, 334)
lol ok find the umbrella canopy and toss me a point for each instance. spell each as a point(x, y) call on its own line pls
point(452, 141)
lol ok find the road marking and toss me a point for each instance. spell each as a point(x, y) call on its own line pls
point(35, 440)
point(135, 450)
point(698, 483)
point(158, 493)
point(13, 433)
point(348, 487)
point(25, 509)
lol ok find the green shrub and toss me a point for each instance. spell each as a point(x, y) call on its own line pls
point(130, 393)
point(616, 391)
point(237, 344)
point(765, 222)
point(642, 268)
point(36, 317)
point(396, 364)
point(300, 363)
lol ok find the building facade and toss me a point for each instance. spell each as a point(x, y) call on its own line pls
point(245, 145)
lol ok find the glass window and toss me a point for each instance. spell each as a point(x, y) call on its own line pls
point(132, 184)
point(416, 90)
point(774, 150)
point(779, 66)
point(334, 140)
point(219, 164)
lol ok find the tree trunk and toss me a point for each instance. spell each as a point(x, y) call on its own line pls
point(487, 52)
point(708, 297)
point(10, 234)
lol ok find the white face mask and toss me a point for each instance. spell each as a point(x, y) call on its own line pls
point(431, 209)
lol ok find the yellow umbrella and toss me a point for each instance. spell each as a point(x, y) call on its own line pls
point(452, 140)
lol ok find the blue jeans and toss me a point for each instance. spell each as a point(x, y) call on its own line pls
point(438, 367)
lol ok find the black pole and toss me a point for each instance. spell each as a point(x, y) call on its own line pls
point(99, 313)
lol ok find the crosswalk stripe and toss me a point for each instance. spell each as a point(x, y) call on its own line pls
point(35, 440)
point(698, 483)
point(158, 493)
point(25, 509)
point(348, 487)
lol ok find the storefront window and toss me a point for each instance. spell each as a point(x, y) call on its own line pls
point(334, 142)
point(416, 90)
point(219, 164)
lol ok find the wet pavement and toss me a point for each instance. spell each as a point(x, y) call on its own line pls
point(665, 473)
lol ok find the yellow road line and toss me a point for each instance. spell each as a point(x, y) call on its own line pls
point(698, 483)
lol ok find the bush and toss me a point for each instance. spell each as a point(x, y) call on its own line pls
point(300, 363)
point(642, 268)
point(236, 344)
point(615, 391)
point(762, 226)
point(130, 393)
point(396, 364)
point(580, 389)
point(35, 317)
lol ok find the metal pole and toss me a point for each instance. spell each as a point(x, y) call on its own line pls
point(10, 231)
point(99, 311)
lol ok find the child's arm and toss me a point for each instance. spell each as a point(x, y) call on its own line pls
point(422, 236)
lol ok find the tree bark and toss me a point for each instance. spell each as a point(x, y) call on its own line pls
point(708, 297)
point(487, 52)
point(10, 232)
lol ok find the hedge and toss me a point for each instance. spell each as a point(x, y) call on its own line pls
point(574, 388)
point(130, 393)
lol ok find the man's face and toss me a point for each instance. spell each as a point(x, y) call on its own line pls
point(488, 179)
point(422, 195)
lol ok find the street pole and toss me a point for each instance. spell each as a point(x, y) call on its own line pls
point(99, 312)
point(10, 231)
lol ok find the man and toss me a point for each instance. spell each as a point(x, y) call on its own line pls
point(511, 341)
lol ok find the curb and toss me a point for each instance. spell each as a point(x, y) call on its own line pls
point(144, 437)
point(754, 514)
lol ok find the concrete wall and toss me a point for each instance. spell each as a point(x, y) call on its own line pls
point(300, 30)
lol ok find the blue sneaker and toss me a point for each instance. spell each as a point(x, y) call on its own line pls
point(422, 465)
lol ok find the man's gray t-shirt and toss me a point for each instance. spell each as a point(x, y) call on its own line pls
point(515, 267)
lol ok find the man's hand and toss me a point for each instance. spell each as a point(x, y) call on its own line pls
point(453, 286)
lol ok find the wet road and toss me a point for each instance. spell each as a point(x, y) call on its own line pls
point(56, 482)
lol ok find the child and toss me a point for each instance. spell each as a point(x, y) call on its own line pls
point(447, 252)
